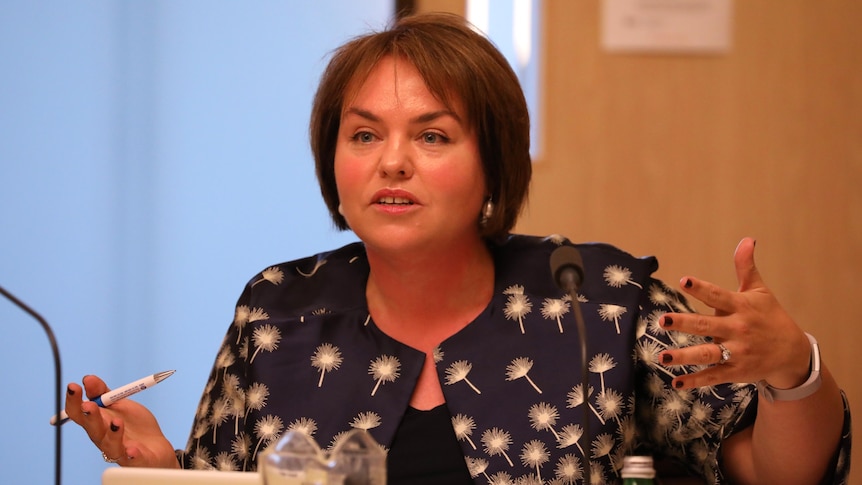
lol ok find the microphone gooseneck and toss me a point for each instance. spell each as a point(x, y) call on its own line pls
point(567, 268)
point(58, 438)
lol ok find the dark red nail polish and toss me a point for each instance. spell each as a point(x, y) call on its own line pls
point(688, 283)
point(666, 358)
point(668, 321)
point(70, 391)
point(677, 384)
point(114, 427)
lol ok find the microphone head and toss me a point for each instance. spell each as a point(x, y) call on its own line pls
point(567, 268)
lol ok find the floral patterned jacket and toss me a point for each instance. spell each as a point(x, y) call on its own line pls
point(304, 354)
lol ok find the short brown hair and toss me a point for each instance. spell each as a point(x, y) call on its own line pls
point(455, 61)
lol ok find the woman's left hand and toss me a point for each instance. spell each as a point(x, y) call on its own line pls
point(761, 338)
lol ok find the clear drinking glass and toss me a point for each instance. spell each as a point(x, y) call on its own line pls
point(296, 459)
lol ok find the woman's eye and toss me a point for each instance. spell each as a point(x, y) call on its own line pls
point(433, 138)
point(364, 137)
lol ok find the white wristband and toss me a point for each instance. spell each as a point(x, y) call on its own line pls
point(800, 392)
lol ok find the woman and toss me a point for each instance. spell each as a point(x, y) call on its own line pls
point(446, 338)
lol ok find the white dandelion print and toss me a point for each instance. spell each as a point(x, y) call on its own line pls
point(201, 428)
point(617, 276)
point(519, 368)
point(266, 338)
point(612, 313)
point(477, 466)
point(554, 309)
point(384, 369)
point(464, 426)
point(534, 454)
point(641, 331)
point(272, 274)
point(201, 459)
point(659, 297)
point(225, 359)
point(543, 416)
point(647, 351)
point(501, 478)
point(240, 319)
point(437, 355)
point(603, 445)
point(241, 448)
point(529, 479)
point(256, 315)
point(267, 429)
point(336, 440)
point(306, 426)
point(654, 327)
point(458, 372)
point(610, 404)
point(571, 435)
point(224, 462)
point(517, 305)
point(317, 265)
point(557, 239)
point(497, 442)
point(255, 397)
point(366, 421)
point(597, 473)
point(576, 398)
point(673, 406)
point(569, 469)
point(601, 363)
point(243, 349)
point(220, 412)
point(326, 358)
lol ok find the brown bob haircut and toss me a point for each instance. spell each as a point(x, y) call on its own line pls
point(456, 63)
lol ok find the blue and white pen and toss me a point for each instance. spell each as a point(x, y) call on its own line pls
point(122, 392)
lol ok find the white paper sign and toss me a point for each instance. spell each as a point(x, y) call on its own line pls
point(671, 26)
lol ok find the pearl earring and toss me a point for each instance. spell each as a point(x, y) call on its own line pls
point(487, 212)
point(341, 210)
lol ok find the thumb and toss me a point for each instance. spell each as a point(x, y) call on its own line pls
point(747, 274)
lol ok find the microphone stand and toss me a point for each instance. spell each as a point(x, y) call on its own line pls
point(567, 268)
point(585, 378)
point(57, 379)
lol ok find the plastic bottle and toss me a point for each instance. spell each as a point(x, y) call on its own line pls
point(638, 470)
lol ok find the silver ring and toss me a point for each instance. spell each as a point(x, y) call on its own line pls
point(109, 460)
point(725, 354)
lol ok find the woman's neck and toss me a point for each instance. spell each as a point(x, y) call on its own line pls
point(421, 299)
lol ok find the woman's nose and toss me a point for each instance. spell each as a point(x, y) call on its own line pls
point(396, 160)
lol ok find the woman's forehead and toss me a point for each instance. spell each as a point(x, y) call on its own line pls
point(400, 65)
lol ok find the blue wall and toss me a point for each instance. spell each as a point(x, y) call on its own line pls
point(153, 157)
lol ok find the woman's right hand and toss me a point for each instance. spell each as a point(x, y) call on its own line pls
point(126, 431)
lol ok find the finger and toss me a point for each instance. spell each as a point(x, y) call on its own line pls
point(133, 454)
point(714, 296)
point(711, 376)
point(698, 324)
point(94, 386)
point(747, 273)
point(112, 443)
point(94, 421)
point(705, 354)
point(74, 398)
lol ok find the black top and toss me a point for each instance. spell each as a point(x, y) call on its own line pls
point(425, 451)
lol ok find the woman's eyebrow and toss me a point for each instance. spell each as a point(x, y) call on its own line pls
point(423, 118)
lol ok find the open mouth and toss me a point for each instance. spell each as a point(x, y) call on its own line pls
point(394, 201)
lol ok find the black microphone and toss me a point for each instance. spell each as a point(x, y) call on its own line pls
point(58, 439)
point(567, 268)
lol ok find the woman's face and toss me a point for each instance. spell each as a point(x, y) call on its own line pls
point(408, 169)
